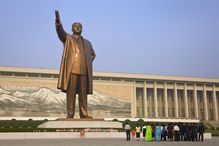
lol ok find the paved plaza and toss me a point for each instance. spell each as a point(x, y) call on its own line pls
point(102, 142)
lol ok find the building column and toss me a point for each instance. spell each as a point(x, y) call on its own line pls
point(150, 104)
point(145, 100)
point(176, 101)
point(155, 100)
point(195, 101)
point(186, 101)
point(205, 103)
point(139, 104)
point(165, 100)
point(133, 103)
point(215, 103)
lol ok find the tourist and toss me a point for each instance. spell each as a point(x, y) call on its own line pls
point(144, 130)
point(148, 136)
point(187, 130)
point(190, 132)
point(138, 132)
point(181, 131)
point(127, 130)
point(153, 131)
point(164, 133)
point(194, 132)
point(161, 128)
point(176, 132)
point(157, 133)
point(201, 131)
point(170, 132)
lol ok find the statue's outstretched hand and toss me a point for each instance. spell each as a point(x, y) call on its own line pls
point(57, 16)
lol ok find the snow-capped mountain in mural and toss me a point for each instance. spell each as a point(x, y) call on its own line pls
point(45, 100)
point(12, 101)
point(18, 94)
point(2, 91)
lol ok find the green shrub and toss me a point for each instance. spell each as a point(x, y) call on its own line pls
point(209, 126)
point(213, 132)
point(127, 120)
point(115, 120)
point(212, 128)
point(19, 125)
point(140, 122)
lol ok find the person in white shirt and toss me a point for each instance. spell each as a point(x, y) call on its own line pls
point(127, 130)
point(144, 128)
point(138, 132)
point(176, 132)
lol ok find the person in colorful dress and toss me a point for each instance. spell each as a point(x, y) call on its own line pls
point(148, 136)
point(157, 133)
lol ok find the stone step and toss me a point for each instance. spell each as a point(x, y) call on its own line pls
point(80, 119)
point(81, 124)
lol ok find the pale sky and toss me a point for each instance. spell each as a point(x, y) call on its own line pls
point(161, 37)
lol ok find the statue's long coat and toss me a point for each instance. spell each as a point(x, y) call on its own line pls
point(67, 63)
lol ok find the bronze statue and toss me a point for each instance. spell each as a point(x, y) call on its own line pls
point(75, 76)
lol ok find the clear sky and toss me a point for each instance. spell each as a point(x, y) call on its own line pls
point(162, 37)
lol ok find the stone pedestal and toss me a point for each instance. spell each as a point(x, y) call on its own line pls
point(81, 124)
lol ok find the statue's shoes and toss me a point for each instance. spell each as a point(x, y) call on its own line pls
point(88, 117)
point(70, 116)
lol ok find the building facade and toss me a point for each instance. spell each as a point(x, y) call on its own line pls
point(132, 95)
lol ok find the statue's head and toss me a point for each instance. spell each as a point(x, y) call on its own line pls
point(76, 28)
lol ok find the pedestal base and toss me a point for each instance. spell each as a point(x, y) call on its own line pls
point(80, 119)
point(81, 123)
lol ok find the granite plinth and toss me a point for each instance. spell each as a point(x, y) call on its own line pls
point(80, 119)
point(81, 123)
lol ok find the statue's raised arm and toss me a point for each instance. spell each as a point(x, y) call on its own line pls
point(57, 16)
point(59, 28)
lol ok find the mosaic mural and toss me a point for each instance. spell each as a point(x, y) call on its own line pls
point(41, 101)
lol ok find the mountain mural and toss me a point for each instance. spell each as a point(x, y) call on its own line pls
point(48, 102)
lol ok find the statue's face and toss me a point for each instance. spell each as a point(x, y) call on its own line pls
point(77, 28)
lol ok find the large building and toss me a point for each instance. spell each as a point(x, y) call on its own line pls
point(130, 95)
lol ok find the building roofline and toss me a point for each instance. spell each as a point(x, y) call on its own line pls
point(29, 70)
point(157, 77)
point(116, 75)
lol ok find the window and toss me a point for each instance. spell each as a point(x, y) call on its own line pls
point(4, 73)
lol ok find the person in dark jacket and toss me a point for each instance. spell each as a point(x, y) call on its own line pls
point(170, 132)
point(180, 132)
point(183, 132)
point(187, 130)
point(153, 131)
point(144, 129)
point(201, 131)
point(194, 132)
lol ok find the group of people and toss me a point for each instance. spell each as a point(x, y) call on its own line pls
point(164, 132)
